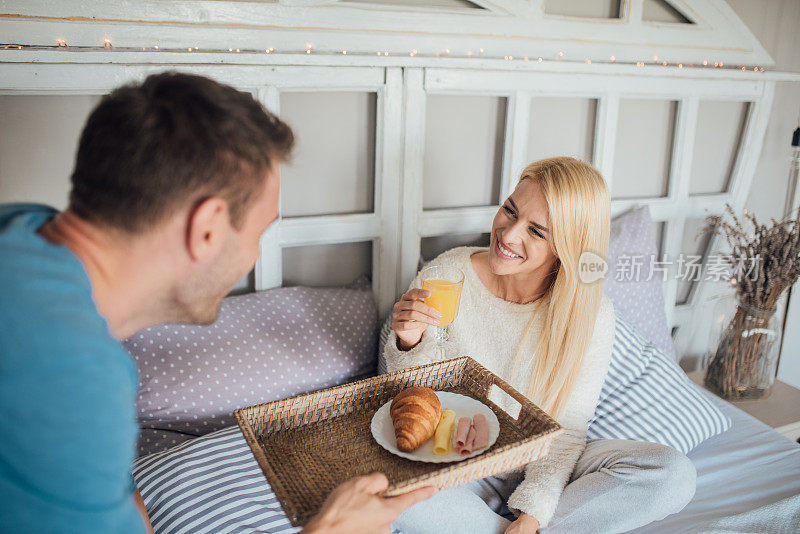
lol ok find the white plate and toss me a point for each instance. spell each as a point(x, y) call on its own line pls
point(383, 429)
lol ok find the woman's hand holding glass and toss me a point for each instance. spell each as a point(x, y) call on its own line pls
point(411, 317)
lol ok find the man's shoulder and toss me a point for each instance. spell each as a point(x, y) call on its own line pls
point(46, 304)
point(30, 266)
point(19, 216)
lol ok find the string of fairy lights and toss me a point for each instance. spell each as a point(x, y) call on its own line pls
point(655, 60)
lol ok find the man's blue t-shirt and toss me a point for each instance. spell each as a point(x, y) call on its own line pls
point(67, 392)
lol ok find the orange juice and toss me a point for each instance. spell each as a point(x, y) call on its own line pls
point(445, 297)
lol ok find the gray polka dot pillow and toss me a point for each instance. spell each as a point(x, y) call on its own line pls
point(264, 346)
point(635, 298)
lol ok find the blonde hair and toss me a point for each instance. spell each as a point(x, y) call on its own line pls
point(579, 208)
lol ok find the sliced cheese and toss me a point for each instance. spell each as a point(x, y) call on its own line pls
point(443, 438)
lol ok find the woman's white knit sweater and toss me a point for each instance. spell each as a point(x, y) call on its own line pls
point(489, 329)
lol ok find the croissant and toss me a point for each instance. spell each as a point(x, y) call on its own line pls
point(415, 413)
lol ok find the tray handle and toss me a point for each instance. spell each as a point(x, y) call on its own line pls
point(509, 390)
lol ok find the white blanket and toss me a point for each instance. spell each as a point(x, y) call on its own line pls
point(748, 481)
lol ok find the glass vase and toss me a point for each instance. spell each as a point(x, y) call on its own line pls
point(744, 362)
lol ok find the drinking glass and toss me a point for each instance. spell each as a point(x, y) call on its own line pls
point(445, 284)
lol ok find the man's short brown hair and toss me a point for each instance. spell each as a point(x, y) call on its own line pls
point(173, 139)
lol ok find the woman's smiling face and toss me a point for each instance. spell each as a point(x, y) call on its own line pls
point(520, 238)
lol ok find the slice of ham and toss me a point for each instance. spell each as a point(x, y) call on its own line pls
point(481, 432)
point(461, 432)
point(467, 448)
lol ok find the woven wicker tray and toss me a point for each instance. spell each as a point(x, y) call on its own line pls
point(309, 444)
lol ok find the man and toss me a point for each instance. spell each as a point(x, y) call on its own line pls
point(175, 180)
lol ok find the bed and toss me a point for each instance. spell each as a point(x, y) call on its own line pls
point(748, 480)
point(748, 476)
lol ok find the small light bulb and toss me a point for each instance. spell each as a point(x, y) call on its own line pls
point(561, 54)
point(744, 69)
point(446, 50)
point(480, 50)
point(238, 50)
point(230, 50)
point(680, 65)
point(721, 63)
point(664, 63)
point(539, 60)
point(344, 52)
point(705, 63)
point(526, 58)
point(655, 58)
point(106, 43)
point(156, 47)
point(613, 59)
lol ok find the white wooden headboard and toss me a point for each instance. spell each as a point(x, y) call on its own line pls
point(402, 87)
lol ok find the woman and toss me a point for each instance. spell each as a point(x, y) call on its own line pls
point(526, 316)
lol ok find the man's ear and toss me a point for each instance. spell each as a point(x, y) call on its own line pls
point(207, 227)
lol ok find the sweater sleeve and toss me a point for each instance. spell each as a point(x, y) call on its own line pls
point(426, 351)
point(538, 494)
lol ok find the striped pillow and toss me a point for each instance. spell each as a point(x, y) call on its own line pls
point(647, 397)
point(211, 484)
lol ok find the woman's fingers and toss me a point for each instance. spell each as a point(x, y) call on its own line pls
point(413, 315)
point(417, 305)
point(416, 294)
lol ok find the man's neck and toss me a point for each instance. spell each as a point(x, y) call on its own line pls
point(128, 282)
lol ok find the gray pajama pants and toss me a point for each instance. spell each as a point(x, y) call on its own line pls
point(617, 485)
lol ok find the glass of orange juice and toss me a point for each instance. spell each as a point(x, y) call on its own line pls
point(445, 284)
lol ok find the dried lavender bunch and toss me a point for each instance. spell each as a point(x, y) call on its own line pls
point(775, 248)
point(741, 364)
